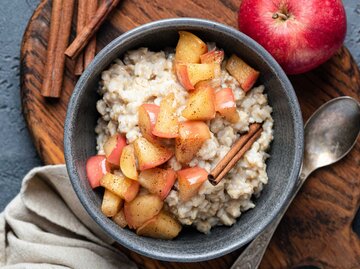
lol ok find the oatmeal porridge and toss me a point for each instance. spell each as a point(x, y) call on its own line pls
point(147, 77)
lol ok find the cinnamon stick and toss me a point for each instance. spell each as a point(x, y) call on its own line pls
point(46, 86)
point(80, 24)
point(90, 29)
point(235, 153)
point(90, 49)
point(60, 26)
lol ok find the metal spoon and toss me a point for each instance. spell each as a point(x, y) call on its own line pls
point(330, 133)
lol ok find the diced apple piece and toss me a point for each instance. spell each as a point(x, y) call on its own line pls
point(224, 98)
point(124, 187)
point(148, 114)
point(119, 219)
point(167, 123)
point(213, 56)
point(242, 72)
point(158, 181)
point(189, 48)
point(199, 72)
point(216, 57)
point(183, 76)
point(128, 162)
point(113, 148)
point(162, 226)
point(192, 135)
point(200, 105)
point(190, 74)
point(190, 180)
point(214, 83)
point(225, 105)
point(141, 209)
point(150, 155)
point(111, 203)
point(96, 168)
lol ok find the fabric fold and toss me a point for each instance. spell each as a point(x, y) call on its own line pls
point(45, 226)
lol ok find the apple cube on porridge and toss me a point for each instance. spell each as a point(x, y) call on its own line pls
point(96, 168)
point(119, 218)
point(111, 203)
point(242, 72)
point(150, 155)
point(113, 148)
point(189, 48)
point(162, 226)
point(225, 105)
point(148, 114)
point(124, 187)
point(190, 180)
point(128, 162)
point(167, 123)
point(192, 135)
point(158, 181)
point(141, 209)
point(189, 74)
point(200, 104)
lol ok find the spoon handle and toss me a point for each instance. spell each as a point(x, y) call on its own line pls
point(251, 257)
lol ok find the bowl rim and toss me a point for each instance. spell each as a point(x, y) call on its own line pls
point(185, 22)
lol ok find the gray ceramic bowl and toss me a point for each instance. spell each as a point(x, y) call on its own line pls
point(286, 149)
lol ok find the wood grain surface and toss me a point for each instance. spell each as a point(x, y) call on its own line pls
point(316, 229)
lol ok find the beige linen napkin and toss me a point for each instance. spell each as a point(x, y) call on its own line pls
point(45, 226)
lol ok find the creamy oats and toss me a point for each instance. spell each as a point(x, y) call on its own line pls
point(144, 76)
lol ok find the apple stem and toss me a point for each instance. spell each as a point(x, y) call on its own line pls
point(280, 15)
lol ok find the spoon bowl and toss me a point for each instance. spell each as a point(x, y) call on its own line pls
point(331, 132)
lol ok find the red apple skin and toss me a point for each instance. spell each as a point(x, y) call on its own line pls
point(313, 32)
point(114, 157)
point(148, 114)
point(189, 181)
point(213, 56)
point(183, 76)
point(96, 168)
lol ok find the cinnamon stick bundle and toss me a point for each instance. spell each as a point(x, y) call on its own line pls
point(61, 17)
point(242, 145)
point(90, 29)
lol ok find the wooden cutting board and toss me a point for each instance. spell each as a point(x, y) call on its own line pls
point(316, 229)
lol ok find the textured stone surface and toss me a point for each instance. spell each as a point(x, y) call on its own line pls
point(353, 31)
point(17, 154)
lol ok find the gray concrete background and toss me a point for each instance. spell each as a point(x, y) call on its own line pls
point(17, 153)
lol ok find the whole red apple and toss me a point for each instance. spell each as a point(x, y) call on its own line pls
point(299, 34)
